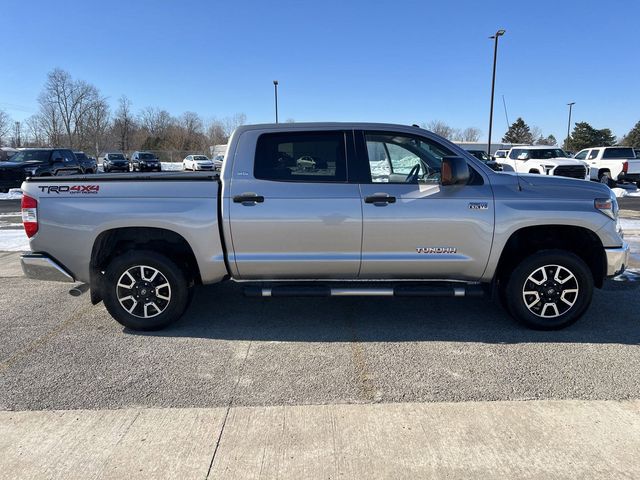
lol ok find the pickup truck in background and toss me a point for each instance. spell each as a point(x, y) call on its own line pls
point(386, 210)
point(37, 162)
point(610, 165)
point(544, 160)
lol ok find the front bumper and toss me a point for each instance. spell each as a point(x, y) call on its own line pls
point(617, 259)
point(40, 266)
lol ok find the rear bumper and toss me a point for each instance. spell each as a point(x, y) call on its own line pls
point(40, 266)
point(629, 177)
point(617, 259)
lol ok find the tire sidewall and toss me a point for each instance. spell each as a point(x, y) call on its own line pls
point(568, 260)
point(173, 274)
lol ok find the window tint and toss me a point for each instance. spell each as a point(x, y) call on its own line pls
point(623, 152)
point(392, 157)
point(582, 155)
point(301, 157)
point(593, 154)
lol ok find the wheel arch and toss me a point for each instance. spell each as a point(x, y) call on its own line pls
point(110, 243)
point(528, 240)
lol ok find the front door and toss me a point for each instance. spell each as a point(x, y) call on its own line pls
point(412, 226)
point(294, 214)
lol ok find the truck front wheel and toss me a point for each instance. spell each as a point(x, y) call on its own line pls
point(549, 290)
point(144, 290)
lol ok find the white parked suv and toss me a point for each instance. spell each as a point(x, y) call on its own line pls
point(610, 165)
point(543, 160)
point(197, 162)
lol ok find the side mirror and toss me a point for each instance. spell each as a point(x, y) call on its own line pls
point(524, 156)
point(455, 171)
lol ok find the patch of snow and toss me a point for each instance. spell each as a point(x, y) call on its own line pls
point(13, 194)
point(626, 190)
point(628, 224)
point(171, 166)
point(13, 241)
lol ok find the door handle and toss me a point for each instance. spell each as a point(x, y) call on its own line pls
point(380, 199)
point(248, 198)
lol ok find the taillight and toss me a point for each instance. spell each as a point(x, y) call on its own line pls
point(625, 167)
point(29, 215)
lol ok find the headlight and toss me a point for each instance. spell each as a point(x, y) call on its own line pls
point(608, 206)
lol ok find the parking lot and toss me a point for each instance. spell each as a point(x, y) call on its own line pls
point(59, 352)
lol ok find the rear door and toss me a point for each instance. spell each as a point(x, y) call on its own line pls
point(413, 227)
point(293, 211)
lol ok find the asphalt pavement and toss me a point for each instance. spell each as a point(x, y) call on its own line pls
point(60, 352)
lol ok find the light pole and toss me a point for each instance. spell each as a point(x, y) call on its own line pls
point(497, 35)
point(566, 143)
point(275, 88)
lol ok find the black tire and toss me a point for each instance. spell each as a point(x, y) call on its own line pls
point(536, 315)
point(638, 184)
point(607, 180)
point(115, 297)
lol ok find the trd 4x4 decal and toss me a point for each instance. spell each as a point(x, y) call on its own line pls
point(74, 189)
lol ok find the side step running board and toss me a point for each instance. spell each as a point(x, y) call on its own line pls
point(458, 290)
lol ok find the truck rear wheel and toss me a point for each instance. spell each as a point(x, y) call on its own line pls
point(549, 290)
point(145, 290)
point(607, 180)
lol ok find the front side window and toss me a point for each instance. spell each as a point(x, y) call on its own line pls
point(301, 157)
point(518, 154)
point(398, 158)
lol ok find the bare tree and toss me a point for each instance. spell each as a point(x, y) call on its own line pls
point(215, 133)
point(5, 126)
point(72, 100)
point(233, 122)
point(155, 121)
point(440, 128)
point(469, 134)
point(36, 131)
point(123, 123)
point(96, 125)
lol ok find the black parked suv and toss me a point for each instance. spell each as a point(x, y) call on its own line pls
point(37, 162)
point(144, 161)
point(88, 164)
point(115, 162)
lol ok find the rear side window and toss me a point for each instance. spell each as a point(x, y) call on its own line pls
point(618, 153)
point(301, 157)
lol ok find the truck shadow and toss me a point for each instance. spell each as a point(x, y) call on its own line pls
point(222, 312)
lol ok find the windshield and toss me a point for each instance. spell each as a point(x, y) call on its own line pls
point(538, 154)
point(200, 157)
point(30, 156)
point(623, 152)
point(116, 156)
point(147, 156)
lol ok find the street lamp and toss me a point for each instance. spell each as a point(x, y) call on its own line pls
point(566, 143)
point(497, 35)
point(275, 87)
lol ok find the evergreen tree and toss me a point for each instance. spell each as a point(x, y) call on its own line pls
point(519, 132)
point(585, 136)
point(632, 139)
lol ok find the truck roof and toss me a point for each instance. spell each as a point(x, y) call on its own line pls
point(321, 125)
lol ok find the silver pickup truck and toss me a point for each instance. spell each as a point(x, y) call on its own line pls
point(327, 209)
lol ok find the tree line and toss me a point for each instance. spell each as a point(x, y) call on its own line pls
point(74, 114)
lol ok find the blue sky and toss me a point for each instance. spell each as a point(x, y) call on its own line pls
point(389, 61)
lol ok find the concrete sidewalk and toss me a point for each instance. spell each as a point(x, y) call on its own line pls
point(536, 439)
